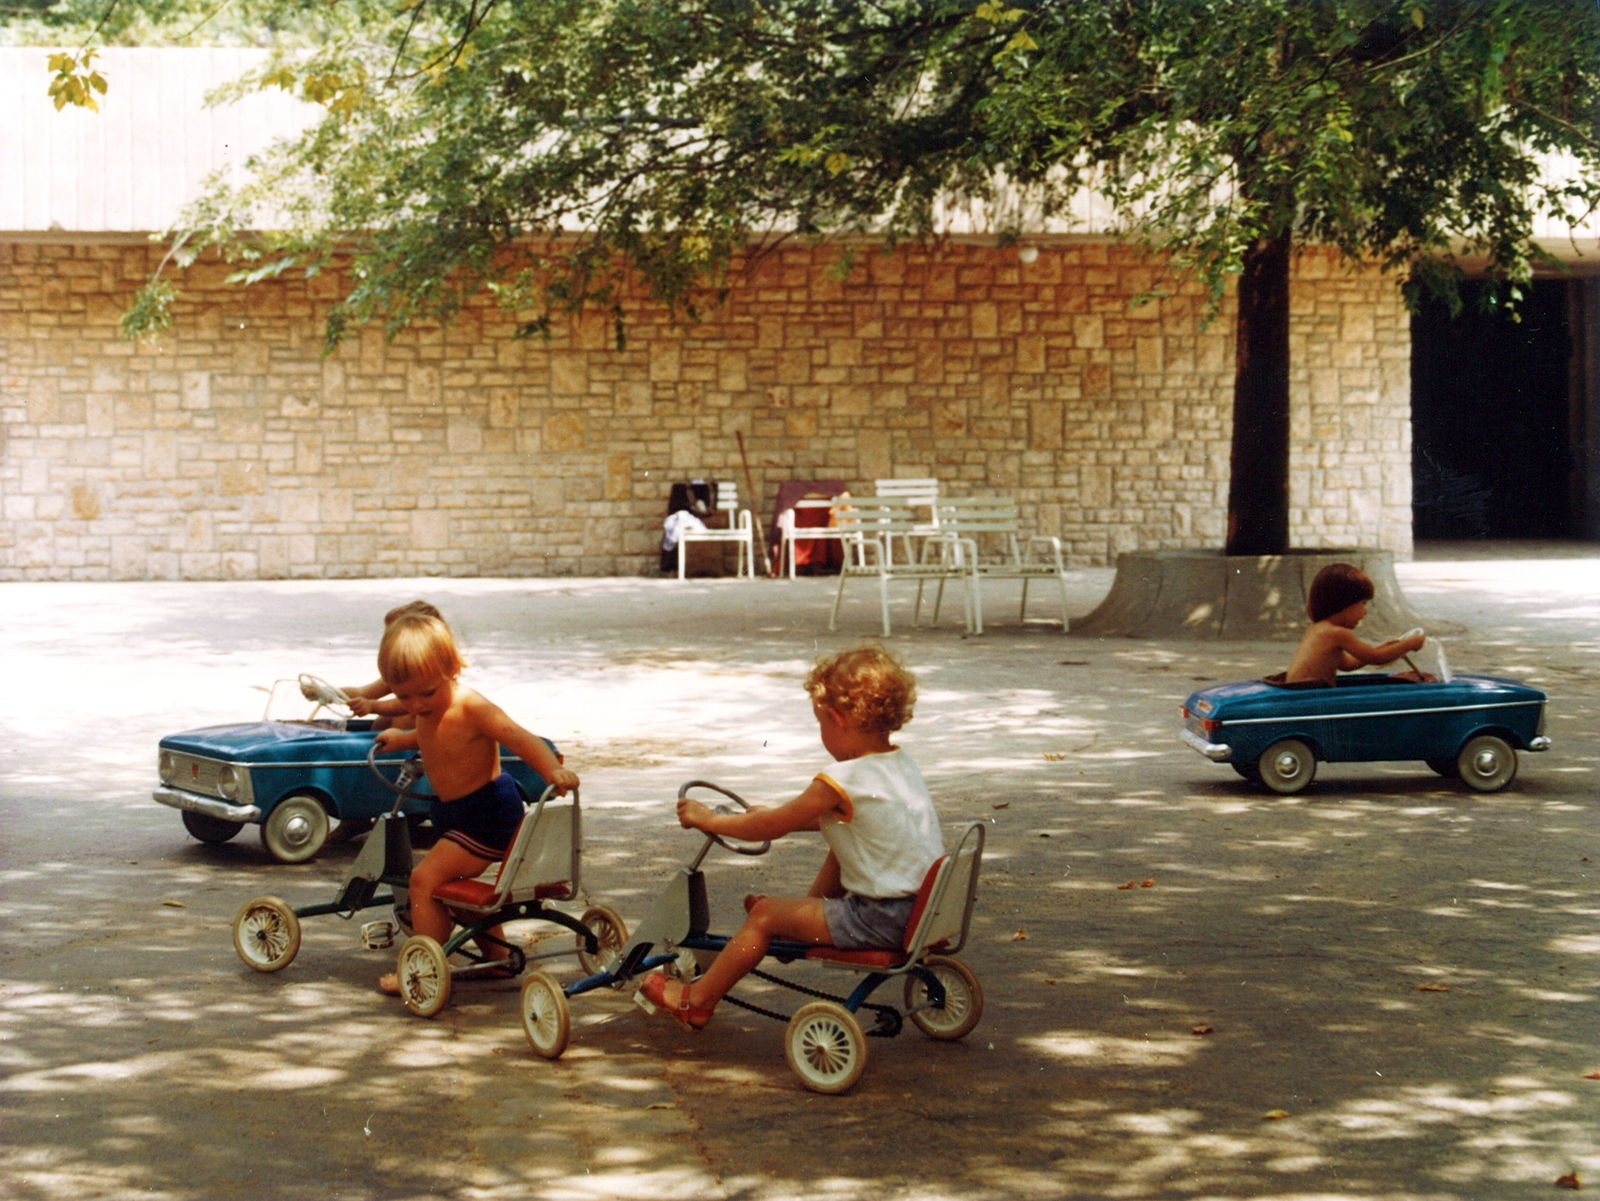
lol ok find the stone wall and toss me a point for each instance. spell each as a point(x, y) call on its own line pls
point(233, 449)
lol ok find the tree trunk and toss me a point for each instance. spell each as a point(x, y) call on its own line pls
point(1258, 484)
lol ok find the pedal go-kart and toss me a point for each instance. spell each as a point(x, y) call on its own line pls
point(542, 866)
point(293, 778)
point(824, 1042)
point(1464, 727)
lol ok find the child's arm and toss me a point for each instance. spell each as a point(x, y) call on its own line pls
point(1355, 653)
point(492, 721)
point(761, 823)
point(828, 883)
point(394, 739)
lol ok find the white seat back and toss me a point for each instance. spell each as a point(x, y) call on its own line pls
point(546, 850)
point(728, 496)
point(945, 921)
point(918, 492)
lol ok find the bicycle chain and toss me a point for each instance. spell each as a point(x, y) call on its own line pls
point(889, 1021)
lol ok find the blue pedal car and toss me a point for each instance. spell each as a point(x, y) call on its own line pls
point(1467, 727)
point(292, 778)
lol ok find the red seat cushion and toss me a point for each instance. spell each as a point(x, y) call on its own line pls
point(479, 894)
point(883, 959)
point(923, 894)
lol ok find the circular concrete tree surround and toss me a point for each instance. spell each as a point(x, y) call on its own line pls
point(1206, 594)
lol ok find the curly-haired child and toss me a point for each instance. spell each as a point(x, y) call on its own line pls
point(1336, 605)
point(871, 806)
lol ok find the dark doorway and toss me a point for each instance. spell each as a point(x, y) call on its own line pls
point(1492, 418)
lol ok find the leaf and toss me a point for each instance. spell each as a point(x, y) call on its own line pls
point(1049, 980)
point(1128, 885)
point(1150, 883)
point(1570, 1180)
point(175, 904)
point(1592, 1075)
point(1433, 988)
point(1202, 1029)
point(1001, 805)
point(1020, 936)
point(1418, 17)
point(1274, 1115)
point(662, 1105)
point(1054, 756)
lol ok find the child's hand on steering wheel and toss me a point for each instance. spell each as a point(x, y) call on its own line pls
point(359, 705)
point(393, 739)
point(693, 815)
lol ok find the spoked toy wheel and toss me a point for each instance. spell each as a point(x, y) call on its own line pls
point(1287, 766)
point(210, 829)
point(825, 1047)
point(424, 975)
point(1487, 763)
point(546, 1020)
point(610, 931)
point(1443, 767)
point(266, 933)
point(295, 829)
point(963, 999)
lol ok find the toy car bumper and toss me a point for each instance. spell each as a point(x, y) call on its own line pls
point(210, 806)
point(1217, 752)
point(1541, 743)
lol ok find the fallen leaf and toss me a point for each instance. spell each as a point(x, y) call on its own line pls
point(1433, 988)
point(1044, 836)
point(1592, 1076)
point(1147, 883)
point(1129, 884)
point(1020, 936)
point(1002, 805)
point(662, 1105)
point(1055, 756)
point(1570, 1180)
point(1201, 1030)
point(175, 904)
point(1273, 1115)
point(1048, 980)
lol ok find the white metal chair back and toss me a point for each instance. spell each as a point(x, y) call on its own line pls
point(876, 520)
point(944, 923)
point(547, 850)
point(728, 498)
point(974, 516)
point(919, 493)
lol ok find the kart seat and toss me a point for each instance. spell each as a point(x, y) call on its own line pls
point(940, 916)
point(540, 864)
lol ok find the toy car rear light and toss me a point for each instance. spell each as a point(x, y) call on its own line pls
point(1206, 725)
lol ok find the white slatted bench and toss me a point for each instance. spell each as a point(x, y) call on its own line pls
point(964, 522)
point(789, 533)
point(877, 522)
point(741, 530)
point(921, 494)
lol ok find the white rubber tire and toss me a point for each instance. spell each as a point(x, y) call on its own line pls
point(546, 1019)
point(612, 933)
point(825, 1047)
point(424, 975)
point(963, 999)
point(266, 934)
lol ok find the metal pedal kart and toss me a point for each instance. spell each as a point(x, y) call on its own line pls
point(824, 1043)
point(542, 865)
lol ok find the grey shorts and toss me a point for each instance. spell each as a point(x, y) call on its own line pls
point(867, 923)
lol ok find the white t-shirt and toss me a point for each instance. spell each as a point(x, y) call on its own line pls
point(891, 834)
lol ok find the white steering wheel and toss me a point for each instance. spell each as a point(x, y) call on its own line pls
point(326, 695)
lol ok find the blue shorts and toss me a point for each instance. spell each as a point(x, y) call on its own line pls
point(483, 822)
point(867, 923)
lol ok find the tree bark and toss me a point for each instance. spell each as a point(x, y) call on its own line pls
point(1258, 484)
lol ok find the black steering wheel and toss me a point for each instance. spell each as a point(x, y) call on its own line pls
point(401, 786)
point(738, 848)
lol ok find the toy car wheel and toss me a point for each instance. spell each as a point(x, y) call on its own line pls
point(1248, 771)
point(1287, 766)
point(1487, 763)
point(295, 829)
point(266, 933)
point(546, 1019)
point(825, 1047)
point(1442, 767)
point(612, 934)
point(424, 975)
point(963, 999)
point(209, 829)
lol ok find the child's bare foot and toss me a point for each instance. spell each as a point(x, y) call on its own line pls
point(389, 984)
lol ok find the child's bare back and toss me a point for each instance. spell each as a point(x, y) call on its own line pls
point(1337, 603)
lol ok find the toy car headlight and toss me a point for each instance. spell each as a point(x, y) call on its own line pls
point(228, 782)
point(166, 767)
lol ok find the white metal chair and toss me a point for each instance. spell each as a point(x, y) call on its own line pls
point(741, 530)
point(790, 533)
point(876, 522)
point(918, 493)
point(964, 522)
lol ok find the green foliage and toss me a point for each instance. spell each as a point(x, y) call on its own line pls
point(546, 151)
point(76, 80)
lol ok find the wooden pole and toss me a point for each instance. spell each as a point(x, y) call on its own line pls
point(750, 491)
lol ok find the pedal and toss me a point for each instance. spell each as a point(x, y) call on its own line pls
point(644, 1003)
point(377, 936)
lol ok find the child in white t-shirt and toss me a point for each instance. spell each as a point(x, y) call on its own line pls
point(873, 809)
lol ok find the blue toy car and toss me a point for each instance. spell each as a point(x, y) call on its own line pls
point(290, 777)
point(1467, 727)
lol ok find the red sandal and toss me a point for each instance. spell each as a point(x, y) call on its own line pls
point(652, 998)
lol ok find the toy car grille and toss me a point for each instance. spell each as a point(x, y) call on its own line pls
point(195, 774)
